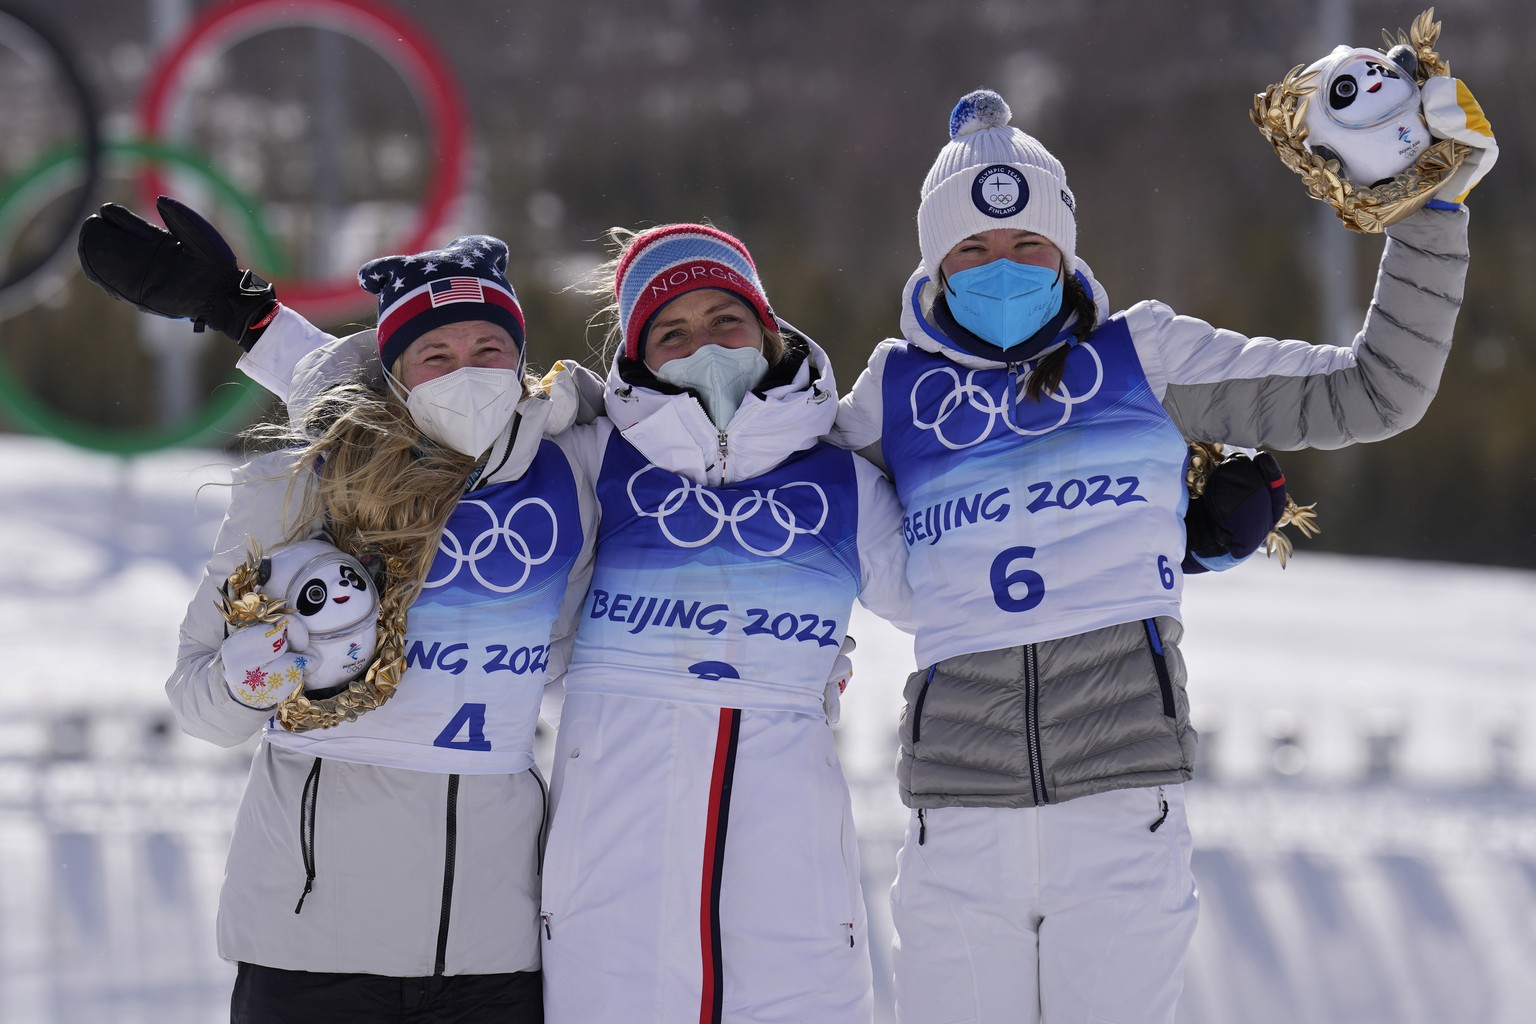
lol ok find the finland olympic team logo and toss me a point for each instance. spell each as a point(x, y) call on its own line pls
point(691, 515)
point(967, 412)
point(501, 557)
point(1000, 191)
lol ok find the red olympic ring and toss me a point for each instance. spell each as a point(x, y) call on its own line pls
point(390, 34)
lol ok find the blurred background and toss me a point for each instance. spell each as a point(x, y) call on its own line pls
point(321, 134)
point(1367, 808)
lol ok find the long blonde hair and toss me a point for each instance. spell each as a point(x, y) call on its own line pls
point(378, 484)
point(383, 493)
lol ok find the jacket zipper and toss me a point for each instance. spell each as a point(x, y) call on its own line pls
point(917, 732)
point(308, 799)
point(543, 816)
point(1013, 392)
point(1160, 665)
point(448, 862)
point(720, 445)
point(917, 708)
point(1032, 724)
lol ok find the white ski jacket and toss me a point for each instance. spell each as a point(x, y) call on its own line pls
point(697, 698)
point(406, 843)
point(770, 471)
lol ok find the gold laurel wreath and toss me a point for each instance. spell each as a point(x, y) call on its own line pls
point(242, 604)
point(1204, 456)
point(1278, 112)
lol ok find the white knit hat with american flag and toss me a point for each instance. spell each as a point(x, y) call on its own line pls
point(464, 280)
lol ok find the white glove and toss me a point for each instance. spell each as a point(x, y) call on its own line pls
point(1452, 113)
point(263, 664)
point(837, 682)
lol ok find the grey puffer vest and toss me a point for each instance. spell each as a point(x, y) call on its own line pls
point(1047, 722)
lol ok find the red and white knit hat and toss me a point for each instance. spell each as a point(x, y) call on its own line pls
point(465, 280)
point(665, 262)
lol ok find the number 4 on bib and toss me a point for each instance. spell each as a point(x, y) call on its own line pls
point(469, 720)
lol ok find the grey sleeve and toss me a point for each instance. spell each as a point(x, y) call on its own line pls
point(1266, 393)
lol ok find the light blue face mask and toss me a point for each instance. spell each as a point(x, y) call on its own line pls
point(720, 376)
point(1004, 302)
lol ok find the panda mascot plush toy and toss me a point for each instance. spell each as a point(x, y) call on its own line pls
point(305, 621)
point(1366, 113)
point(1378, 135)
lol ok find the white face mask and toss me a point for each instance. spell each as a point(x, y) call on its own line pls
point(465, 410)
point(720, 376)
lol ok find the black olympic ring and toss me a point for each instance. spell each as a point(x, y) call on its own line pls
point(21, 286)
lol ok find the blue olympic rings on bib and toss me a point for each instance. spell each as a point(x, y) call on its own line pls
point(968, 394)
point(748, 507)
point(485, 550)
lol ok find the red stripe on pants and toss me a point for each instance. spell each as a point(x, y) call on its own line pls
point(710, 994)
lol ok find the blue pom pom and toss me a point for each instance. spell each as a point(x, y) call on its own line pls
point(977, 110)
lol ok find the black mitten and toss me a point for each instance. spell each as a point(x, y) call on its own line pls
point(1243, 501)
point(188, 272)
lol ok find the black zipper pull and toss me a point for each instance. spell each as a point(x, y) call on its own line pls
point(545, 918)
point(922, 827)
point(309, 883)
point(1161, 817)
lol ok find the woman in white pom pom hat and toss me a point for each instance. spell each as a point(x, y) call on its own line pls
point(385, 857)
point(1038, 445)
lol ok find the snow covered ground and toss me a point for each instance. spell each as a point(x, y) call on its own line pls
point(1365, 821)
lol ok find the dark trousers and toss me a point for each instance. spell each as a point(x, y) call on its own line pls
point(266, 995)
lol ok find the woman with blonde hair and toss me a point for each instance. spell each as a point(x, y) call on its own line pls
point(385, 858)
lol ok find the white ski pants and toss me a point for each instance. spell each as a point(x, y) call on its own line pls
point(1071, 913)
point(701, 867)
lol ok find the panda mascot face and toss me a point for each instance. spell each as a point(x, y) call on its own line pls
point(339, 605)
point(323, 597)
point(1365, 113)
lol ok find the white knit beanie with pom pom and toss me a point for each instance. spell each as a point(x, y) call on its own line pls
point(991, 175)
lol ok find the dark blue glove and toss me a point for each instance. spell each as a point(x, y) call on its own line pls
point(1243, 501)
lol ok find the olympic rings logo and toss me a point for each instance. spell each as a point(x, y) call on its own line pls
point(500, 534)
point(744, 511)
point(968, 396)
point(36, 190)
point(400, 41)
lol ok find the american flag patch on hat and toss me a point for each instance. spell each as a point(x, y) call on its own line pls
point(456, 289)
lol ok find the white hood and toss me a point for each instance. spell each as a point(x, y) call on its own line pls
point(674, 432)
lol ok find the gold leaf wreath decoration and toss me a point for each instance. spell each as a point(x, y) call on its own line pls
point(1204, 456)
point(1279, 110)
point(242, 604)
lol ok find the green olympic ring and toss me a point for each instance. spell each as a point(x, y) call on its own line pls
point(234, 401)
point(20, 285)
